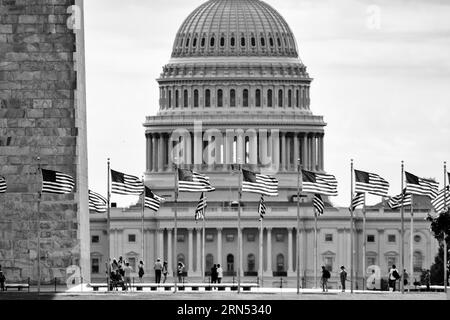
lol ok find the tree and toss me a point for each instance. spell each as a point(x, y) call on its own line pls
point(440, 226)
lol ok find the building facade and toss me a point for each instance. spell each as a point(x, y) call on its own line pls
point(236, 92)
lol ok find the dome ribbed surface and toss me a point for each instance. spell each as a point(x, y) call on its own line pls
point(235, 28)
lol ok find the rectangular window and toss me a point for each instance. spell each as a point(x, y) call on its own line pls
point(209, 237)
point(95, 239)
point(230, 237)
point(251, 237)
point(329, 237)
point(371, 261)
point(279, 237)
point(95, 265)
point(370, 238)
point(391, 238)
point(329, 263)
point(180, 237)
point(132, 238)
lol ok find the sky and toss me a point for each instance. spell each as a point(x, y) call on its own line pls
point(381, 80)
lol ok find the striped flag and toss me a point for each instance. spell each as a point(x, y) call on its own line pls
point(152, 201)
point(357, 201)
point(319, 205)
point(125, 184)
point(56, 182)
point(259, 183)
point(262, 208)
point(189, 181)
point(439, 203)
point(320, 183)
point(371, 183)
point(2, 185)
point(396, 202)
point(97, 202)
point(201, 208)
point(420, 186)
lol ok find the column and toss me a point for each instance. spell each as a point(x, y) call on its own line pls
point(188, 150)
point(269, 271)
point(290, 250)
point(164, 152)
point(305, 151)
point(190, 264)
point(154, 153)
point(160, 153)
point(261, 258)
point(254, 149)
point(149, 151)
point(283, 151)
point(240, 147)
point(289, 138)
point(275, 147)
point(198, 235)
point(296, 150)
point(321, 150)
point(314, 152)
point(240, 253)
point(170, 258)
point(219, 247)
point(198, 146)
point(160, 253)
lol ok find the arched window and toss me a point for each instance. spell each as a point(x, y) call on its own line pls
point(220, 98)
point(212, 42)
point(232, 98)
point(280, 263)
point(242, 42)
point(263, 42)
point(258, 97)
point(180, 258)
point(207, 98)
point(269, 98)
point(194, 43)
point(251, 262)
point(279, 42)
point(186, 98)
point(253, 42)
point(196, 99)
point(177, 99)
point(203, 42)
point(233, 41)
point(290, 98)
point(245, 97)
point(280, 98)
point(222, 42)
point(298, 99)
point(418, 261)
point(209, 260)
point(230, 263)
point(170, 99)
point(271, 41)
point(187, 42)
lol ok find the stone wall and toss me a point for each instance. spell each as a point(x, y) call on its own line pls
point(38, 111)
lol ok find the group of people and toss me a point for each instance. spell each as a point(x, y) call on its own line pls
point(216, 274)
point(162, 269)
point(120, 273)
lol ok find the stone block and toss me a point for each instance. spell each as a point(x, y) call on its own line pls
point(6, 28)
point(42, 103)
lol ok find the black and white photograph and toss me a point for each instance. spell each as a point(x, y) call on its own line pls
point(225, 158)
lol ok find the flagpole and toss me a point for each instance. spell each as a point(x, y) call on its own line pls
point(239, 228)
point(142, 221)
point(402, 261)
point(261, 260)
point(203, 246)
point(351, 234)
point(299, 167)
point(315, 247)
point(364, 244)
point(411, 245)
point(176, 230)
point(445, 235)
point(108, 223)
point(39, 230)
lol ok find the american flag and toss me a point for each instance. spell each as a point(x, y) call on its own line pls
point(371, 183)
point(189, 181)
point(442, 202)
point(152, 201)
point(56, 182)
point(320, 183)
point(396, 202)
point(420, 186)
point(258, 183)
point(262, 208)
point(97, 202)
point(201, 208)
point(358, 200)
point(125, 184)
point(319, 205)
point(2, 185)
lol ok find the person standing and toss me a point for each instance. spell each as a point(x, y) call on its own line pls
point(428, 279)
point(180, 270)
point(127, 272)
point(2, 281)
point(393, 277)
point(325, 276)
point(214, 274)
point(141, 271)
point(165, 271)
point(405, 278)
point(343, 276)
point(371, 281)
point(158, 267)
point(219, 274)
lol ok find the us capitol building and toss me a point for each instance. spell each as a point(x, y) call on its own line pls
point(235, 71)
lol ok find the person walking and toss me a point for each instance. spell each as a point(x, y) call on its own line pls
point(428, 279)
point(180, 270)
point(158, 267)
point(343, 276)
point(165, 271)
point(114, 265)
point(219, 274)
point(393, 277)
point(2, 281)
point(325, 276)
point(127, 272)
point(141, 271)
point(214, 274)
point(405, 279)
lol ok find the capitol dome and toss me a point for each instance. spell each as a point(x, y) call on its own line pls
point(234, 28)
